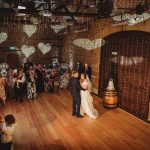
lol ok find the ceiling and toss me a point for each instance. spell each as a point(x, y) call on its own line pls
point(67, 12)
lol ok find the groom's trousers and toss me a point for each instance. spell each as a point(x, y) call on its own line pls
point(76, 104)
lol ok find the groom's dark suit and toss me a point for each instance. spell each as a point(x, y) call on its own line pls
point(75, 92)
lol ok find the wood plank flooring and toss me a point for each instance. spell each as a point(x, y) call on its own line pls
point(47, 124)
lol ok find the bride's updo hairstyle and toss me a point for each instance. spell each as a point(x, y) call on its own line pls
point(84, 75)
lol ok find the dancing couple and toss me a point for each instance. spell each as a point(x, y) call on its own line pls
point(82, 99)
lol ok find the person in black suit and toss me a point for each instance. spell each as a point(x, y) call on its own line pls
point(87, 70)
point(75, 92)
point(80, 68)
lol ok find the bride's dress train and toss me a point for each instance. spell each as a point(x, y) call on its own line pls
point(87, 102)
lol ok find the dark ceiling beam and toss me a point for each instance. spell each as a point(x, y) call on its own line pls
point(77, 14)
point(9, 10)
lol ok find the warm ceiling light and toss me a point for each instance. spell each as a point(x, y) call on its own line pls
point(39, 2)
point(20, 14)
point(47, 14)
point(21, 7)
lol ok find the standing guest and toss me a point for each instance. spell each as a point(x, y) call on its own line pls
point(56, 81)
point(2, 90)
point(19, 85)
point(10, 83)
point(26, 67)
point(31, 85)
point(6, 132)
point(64, 81)
point(39, 79)
point(46, 80)
point(80, 68)
point(87, 70)
point(30, 63)
point(51, 81)
point(56, 66)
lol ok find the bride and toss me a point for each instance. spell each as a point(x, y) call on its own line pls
point(86, 98)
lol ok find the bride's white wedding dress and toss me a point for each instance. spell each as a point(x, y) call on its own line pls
point(87, 102)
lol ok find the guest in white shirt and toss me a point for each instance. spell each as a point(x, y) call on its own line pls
point(6, 132)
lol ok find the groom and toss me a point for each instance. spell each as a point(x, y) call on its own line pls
point(75, 92)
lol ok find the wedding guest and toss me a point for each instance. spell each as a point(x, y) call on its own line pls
point(39, 79)
point(31, 85)
point(26, 67)
point(80, 68)
point(56, 66)
point(51, 81)
point(19, 85)
point(87, 70)
point(10, 83)
point(7, 129)
point(46, 80)
point(64, 81)
point(56, 81)
point(2, 90)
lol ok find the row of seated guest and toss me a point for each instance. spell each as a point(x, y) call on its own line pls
point(31, 81)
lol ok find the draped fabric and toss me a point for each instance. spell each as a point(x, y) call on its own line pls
point(126, 58)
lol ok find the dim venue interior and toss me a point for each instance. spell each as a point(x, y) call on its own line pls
point(74, 74)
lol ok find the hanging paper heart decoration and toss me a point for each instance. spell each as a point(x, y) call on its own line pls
point(27, 50)
point(44, 48)
point(3, 37)
point(88, 44)
point(29, 29)
point(57, 28)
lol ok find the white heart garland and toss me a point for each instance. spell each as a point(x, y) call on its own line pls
point(57, 28)
point(88, 44)
point(29, 29)
point(3, 37)
point(44, 48)
point(27, 50)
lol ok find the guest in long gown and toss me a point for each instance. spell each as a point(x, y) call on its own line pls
point(51, 81)
point(64, 81)
point(10, 84)
point(2, 90)
point(31, 85)
point(39, 79)
point(19, 85)
point(46, 81)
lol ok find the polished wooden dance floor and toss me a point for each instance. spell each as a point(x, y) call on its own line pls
point(47, 124)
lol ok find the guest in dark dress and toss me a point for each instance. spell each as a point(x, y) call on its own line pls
point(19, 85)
point(39, 79)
